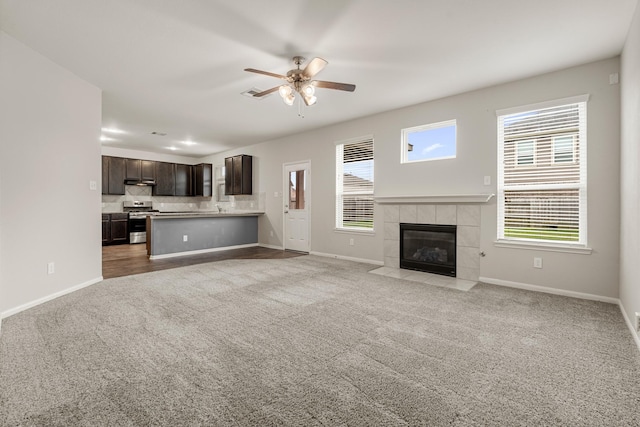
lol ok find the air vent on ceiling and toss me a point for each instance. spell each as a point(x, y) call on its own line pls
point(251, 92)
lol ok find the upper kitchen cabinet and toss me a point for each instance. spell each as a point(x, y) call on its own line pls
point(165, 179)
point(147, 170)
point(184, 184)
point(115, 175)
point(238, 175)
point(203, 179)
point(105, 175)
point(140, 171)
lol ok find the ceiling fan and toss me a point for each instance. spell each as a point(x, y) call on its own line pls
point(301, 81)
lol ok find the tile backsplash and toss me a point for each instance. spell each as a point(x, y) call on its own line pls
point(113, 203)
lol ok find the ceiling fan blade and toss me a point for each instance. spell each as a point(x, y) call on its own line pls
point(314, 67)
point(266, 92)
point(266, 73)
point(334, 85)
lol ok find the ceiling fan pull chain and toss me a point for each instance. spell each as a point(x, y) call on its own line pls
point(300, 109)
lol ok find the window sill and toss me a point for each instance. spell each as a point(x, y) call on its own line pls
point(548, 247)
point(351, 231)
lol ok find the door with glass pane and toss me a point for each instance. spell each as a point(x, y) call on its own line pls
point(296, 207)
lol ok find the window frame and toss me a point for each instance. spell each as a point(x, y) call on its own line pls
point(339, 190)
point(579, 156)
point(404, 155)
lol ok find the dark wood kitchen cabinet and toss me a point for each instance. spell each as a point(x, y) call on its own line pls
point(165, 179)
point(113, 173)
point(115, 228)
point(147, 170)
point(105, 175)
point(184, 180)
point(238, 174)
point(106, 230)
point(132, 169)
point(140, 170)
point(203, 179)
point(170, 179)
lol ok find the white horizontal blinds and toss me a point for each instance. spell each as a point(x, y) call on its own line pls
point(354, 185)
point(542, 174)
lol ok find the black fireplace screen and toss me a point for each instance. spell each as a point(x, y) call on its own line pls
point(428, 247)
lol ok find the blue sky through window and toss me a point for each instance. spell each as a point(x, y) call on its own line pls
point(433, 143)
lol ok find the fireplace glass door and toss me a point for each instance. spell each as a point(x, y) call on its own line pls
point(428, 247)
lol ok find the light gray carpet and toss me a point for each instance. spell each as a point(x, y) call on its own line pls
point(314, 341)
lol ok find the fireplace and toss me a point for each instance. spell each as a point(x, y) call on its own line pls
point(428, 247)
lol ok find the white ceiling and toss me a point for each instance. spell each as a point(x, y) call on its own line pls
point(177, 66)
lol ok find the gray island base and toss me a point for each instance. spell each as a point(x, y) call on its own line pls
point(187, 234)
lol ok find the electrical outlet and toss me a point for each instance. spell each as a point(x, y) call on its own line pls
point(537, 262)
point(93, 185)
point(51, 268)
point(251, 204)
point(185, 238)
point(487, 180)
point(351, 242)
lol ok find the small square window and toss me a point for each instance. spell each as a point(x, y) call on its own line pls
point(525, 153)
point(429, 142)
point(563, 149)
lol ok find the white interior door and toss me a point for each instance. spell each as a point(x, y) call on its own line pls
point(296, 206)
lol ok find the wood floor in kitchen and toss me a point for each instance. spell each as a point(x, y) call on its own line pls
point(125, 260)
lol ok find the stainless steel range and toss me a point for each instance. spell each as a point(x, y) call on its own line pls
point(138, 211)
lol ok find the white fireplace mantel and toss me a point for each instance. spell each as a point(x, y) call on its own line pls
point(444, 198)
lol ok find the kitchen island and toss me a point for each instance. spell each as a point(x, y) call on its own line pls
point(171, 234)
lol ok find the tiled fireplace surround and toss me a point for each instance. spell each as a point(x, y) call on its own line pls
point(464, 215)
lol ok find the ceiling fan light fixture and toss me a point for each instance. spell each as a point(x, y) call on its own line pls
point(289, 99)
point(300, 81)
point(308, 90)
point(285, 90)
point(309, 100)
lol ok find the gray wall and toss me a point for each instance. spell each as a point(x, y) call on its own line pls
point(49, 151)
point(595, 274)
point(202, 233)
point(630, 172)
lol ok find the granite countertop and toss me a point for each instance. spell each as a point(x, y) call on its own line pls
point(203, 214)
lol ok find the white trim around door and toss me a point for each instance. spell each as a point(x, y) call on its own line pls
point(296, 206)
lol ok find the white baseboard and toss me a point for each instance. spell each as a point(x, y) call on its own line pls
point(264, 245)
point(39, 301)
point(202, 251)
point(630, 325)
point(348, 258)
point(547, 290)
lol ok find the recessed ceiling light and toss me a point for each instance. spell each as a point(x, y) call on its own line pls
point(113, 131)
point(172, 148)
point(189, 143)
point(107, 139)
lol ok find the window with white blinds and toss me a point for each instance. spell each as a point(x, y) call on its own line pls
point(354, 185)
point(542, 172)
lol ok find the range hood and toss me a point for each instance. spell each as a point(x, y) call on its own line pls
point(140, 182)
